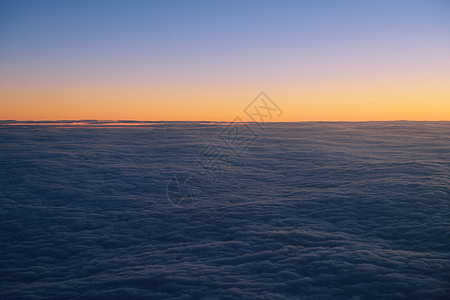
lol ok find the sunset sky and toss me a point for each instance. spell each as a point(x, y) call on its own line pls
point(206, 60)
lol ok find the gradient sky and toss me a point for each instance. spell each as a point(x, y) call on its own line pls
point(206, 60)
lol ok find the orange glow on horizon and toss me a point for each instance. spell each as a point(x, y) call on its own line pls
point(340, 101)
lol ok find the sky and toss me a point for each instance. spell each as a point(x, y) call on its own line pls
point(207, 60)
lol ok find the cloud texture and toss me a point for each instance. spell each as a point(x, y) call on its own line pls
point(309, 210)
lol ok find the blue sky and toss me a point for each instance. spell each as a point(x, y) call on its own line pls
point(229, 45)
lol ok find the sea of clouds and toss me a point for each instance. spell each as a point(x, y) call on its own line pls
point(306, 211)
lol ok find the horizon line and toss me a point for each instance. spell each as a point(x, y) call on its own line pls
point(143, 122)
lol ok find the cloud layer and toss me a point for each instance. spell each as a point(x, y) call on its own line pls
point(309, 210)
